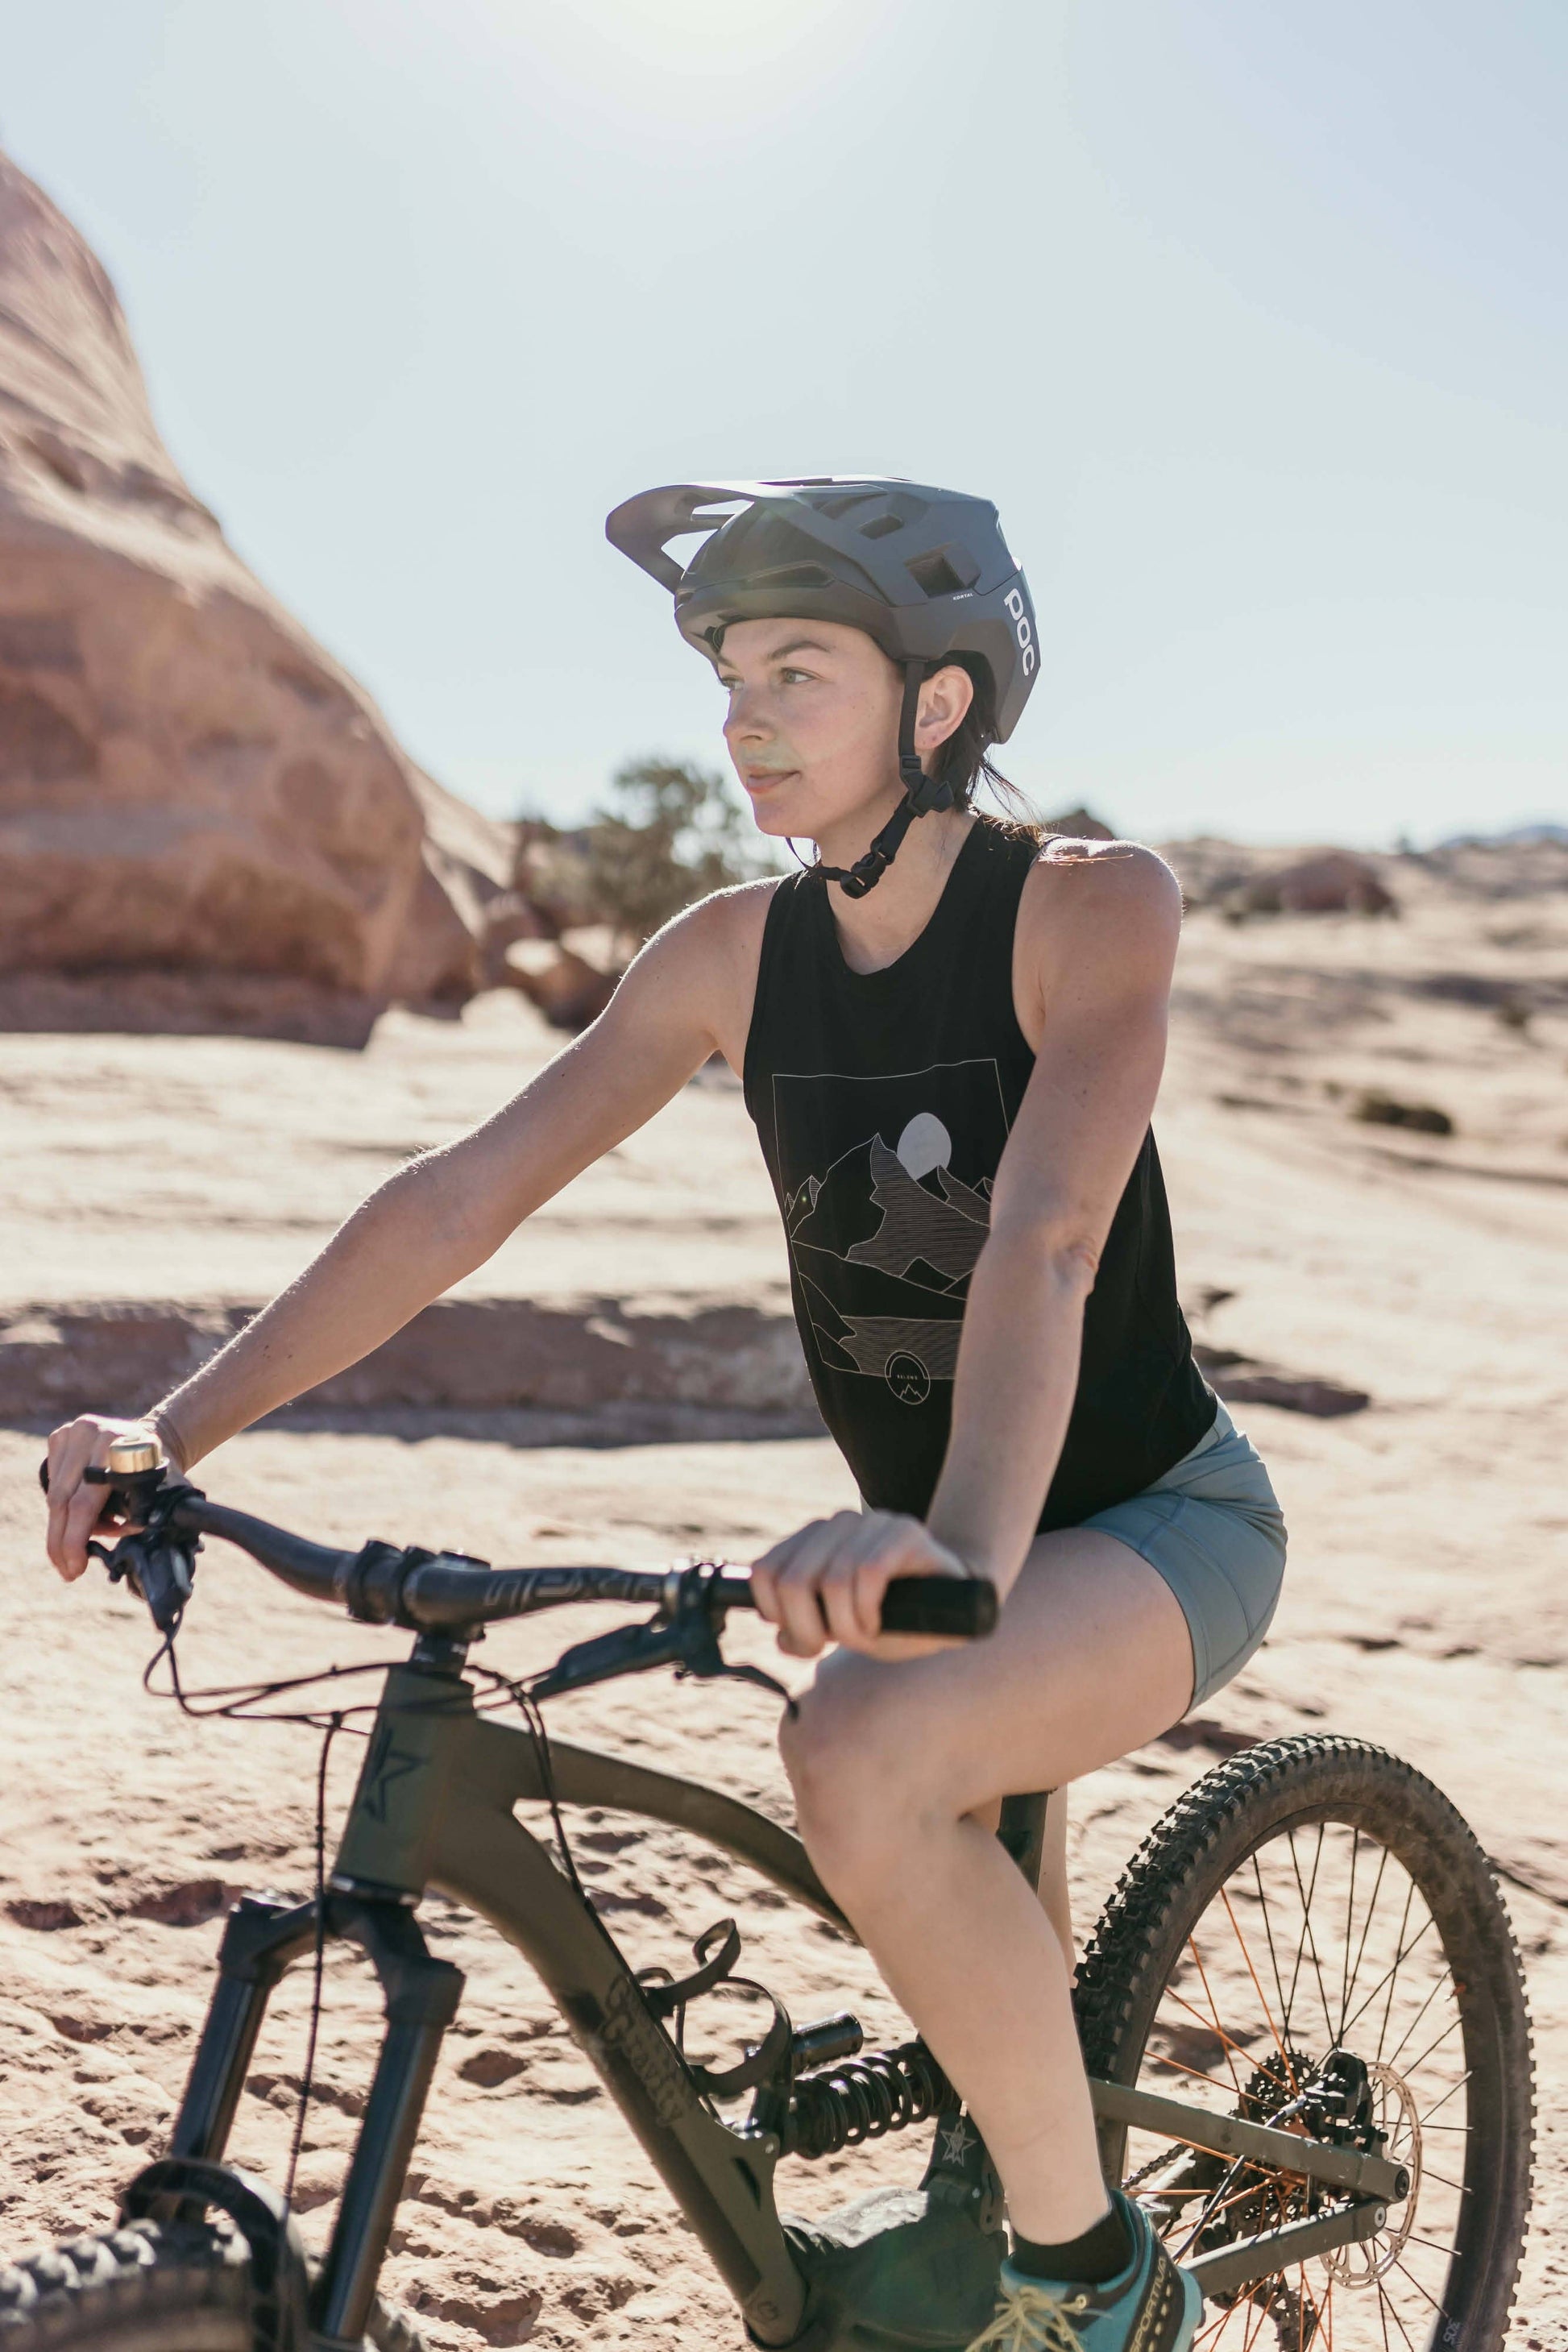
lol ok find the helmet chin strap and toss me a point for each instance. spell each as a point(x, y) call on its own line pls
point(922, 795)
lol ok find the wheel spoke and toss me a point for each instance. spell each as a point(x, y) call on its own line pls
point(1366, 1923)
point(1398, 1948)
point(1310, 1939)
point(1388, 1979)
point(1381, 2311)
point(1296, 1964)
point(1218, 2204)
point(1387, 2305)
point(1252, 1972)
point(1179, 2066)
point(1320, 2310)
point(1420, 2290)
point(1214, 2014)
point(1350, 1923)
point(1259, 2314)
point(1393, 2057)
point(1231, 2310)
point(1450, 2253)
point(1268, 1935)
point(1418, 2062)
point(1427, 2173)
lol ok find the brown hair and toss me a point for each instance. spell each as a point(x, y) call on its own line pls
point(964, 761)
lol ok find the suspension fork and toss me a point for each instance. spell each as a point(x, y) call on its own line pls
point(393, 1821)
point(421, 1995)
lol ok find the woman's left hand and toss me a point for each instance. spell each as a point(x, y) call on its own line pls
point(825, 1583)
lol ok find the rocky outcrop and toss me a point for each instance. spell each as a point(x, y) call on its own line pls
point(1325, 882)
point(193, 795)
point(1076, 824)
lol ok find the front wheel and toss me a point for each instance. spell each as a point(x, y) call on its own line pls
point(149, 2287)
point(1312, 1936)
point(145, 2288)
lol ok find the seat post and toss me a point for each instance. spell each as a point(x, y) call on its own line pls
point(1022, 1831)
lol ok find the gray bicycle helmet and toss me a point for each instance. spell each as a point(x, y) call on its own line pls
point(924, 572)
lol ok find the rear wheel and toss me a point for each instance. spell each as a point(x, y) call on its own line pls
point(149, 2287)
point(1312, 1936)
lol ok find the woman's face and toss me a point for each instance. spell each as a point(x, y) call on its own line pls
point(813, 722)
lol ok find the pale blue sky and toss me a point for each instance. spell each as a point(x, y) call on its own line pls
point(1249, 315)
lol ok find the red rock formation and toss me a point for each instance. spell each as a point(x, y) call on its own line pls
point(1325, 882)
point(189, 786)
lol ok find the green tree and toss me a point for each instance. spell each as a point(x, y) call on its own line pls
point(671, 832)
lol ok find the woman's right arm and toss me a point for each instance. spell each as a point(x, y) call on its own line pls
point(446, 1212)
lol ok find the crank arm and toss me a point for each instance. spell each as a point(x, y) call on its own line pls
point(1313, 2159)
point(1277, 2249)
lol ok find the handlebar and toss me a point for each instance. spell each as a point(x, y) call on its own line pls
point(451, 1592)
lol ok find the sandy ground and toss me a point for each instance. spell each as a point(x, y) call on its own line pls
point(1425, 1605)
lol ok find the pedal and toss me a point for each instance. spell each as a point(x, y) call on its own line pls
point(960, 2171)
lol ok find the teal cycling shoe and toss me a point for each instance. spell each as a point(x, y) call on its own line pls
point(1151, 2306)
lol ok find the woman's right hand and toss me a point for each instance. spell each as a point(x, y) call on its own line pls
point(75, 1507)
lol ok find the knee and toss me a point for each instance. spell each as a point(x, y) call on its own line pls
point(859, 1789)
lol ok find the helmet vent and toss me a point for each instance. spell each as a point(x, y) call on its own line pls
point(836, 508)
point(798, 576)
point(880, 526)
point(944, 572)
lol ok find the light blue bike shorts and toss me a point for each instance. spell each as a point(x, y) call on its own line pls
point(1212, 1528)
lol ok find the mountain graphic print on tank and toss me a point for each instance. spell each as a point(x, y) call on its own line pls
point(886, 1214)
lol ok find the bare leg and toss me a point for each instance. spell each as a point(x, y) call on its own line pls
point(896, 1769)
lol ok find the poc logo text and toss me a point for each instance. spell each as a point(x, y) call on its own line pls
point(1022, 628)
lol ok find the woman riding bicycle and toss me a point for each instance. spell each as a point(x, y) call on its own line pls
point(951, 1036)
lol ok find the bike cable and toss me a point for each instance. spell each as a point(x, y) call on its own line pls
point(251, 1703)
point(533, 1715)
point(319, 1962)
point(247, 1702)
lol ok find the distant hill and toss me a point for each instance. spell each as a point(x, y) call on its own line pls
point(1519, 836)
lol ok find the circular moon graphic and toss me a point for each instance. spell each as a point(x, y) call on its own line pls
point(924, 1144)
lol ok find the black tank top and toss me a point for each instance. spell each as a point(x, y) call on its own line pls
point(882, 1101)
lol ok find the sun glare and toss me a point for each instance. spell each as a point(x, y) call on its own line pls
point(700, 45)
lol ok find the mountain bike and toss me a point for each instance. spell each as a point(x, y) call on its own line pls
point(1301, 2008)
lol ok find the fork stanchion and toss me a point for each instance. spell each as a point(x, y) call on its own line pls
point(422, 1996)
point(261, 1939)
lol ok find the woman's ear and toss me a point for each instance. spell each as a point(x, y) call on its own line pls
point(943, 700)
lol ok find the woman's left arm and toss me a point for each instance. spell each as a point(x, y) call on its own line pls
point(1097, 947)
point(1101, 941)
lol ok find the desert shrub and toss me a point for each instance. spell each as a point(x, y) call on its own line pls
point(1377, 1109)
point(671, 833)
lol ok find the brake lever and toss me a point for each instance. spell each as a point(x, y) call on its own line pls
point(629, 1649)
point(685, 1636)
point(159, 1566)
point(161, 1570)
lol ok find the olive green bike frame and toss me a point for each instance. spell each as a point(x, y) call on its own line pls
point(433, 1808)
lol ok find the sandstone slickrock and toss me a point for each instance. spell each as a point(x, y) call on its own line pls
point(189, 786)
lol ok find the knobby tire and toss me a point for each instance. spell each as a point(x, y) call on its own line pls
point(1146, 1975)
point(149, 2287)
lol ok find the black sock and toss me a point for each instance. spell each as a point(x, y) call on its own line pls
point(1087, 2260)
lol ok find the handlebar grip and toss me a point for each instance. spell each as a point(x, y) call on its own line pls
point(964, 1608)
